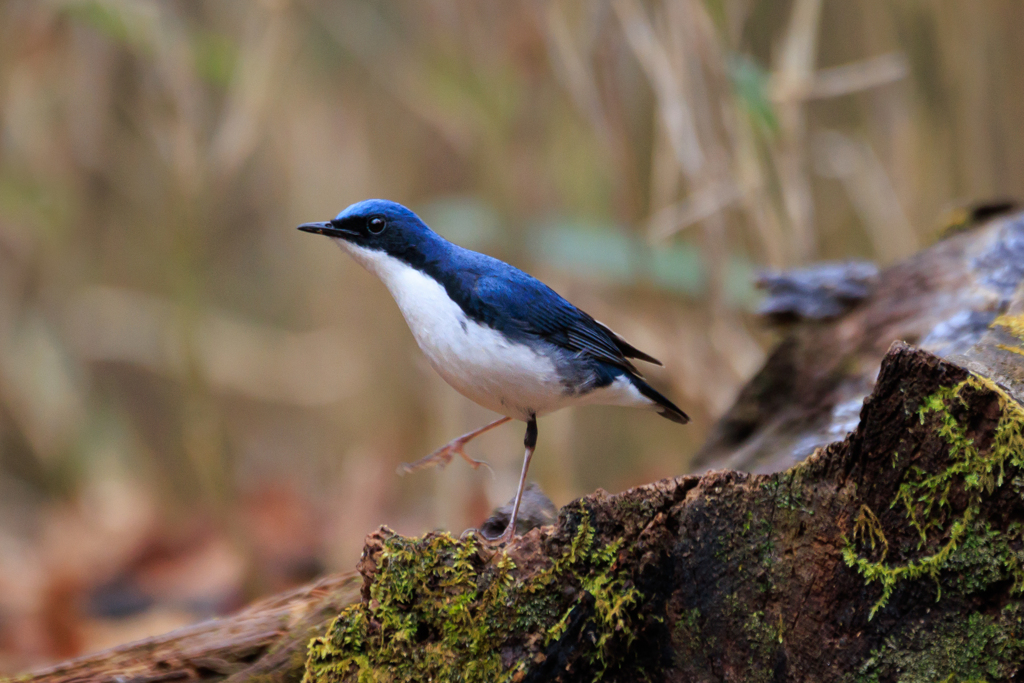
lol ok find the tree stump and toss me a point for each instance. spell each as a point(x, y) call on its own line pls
point(897, 553)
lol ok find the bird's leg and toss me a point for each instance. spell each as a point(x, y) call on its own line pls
point(443, 455)
point(531, 443)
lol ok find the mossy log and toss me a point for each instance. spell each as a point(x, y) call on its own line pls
point(895, 554)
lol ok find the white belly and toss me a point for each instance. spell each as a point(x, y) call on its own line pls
point(477, 361)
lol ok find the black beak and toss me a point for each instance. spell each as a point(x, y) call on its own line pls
point(324, 228)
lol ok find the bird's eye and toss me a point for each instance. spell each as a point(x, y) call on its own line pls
point(376, 225)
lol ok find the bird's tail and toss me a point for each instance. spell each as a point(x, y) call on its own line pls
point(666, 408)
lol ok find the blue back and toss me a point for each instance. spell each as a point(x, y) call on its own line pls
point(489, 291)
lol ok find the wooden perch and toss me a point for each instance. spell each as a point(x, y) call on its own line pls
point(266, 639)
point(895, 553)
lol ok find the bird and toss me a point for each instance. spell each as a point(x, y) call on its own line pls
point(497, 335)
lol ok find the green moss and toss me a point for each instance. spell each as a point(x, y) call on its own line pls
point(1015, 325)
point(439, 611)
point(949, 539)
point(1011, 349)
point(688, 625)
point(980, 647)
point(867, 530)
point(764, 640)
point(691, 645)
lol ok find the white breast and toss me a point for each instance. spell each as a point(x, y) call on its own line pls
point(480, 363)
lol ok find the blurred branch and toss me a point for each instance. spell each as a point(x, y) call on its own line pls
point(863, 75)
point(571, 67)
point(41, 385)
point(795, 68)
point(267, 38)
point(267, 640)
point(865, 180)
point(363, 32)
point(676, 112)
point(691, 210)
point(794, 75)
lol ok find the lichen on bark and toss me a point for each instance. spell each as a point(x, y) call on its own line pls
point(446, 609)
point(951, 538)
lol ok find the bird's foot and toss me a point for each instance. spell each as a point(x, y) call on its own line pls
point(482, 537)
point(504, 539)
point(442, 456)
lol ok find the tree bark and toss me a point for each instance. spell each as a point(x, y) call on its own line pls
point(894, 554)
point(266, 641)
point(943, 299)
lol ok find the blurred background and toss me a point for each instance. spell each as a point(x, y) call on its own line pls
point(200, 405)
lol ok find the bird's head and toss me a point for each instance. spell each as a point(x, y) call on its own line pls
point(378, 225)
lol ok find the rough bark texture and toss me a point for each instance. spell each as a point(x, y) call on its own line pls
point(896, 554)
point(265, 642)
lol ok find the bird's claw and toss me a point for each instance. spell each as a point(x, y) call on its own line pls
point(505, 538)
point(441, 457)
point(498, 541)
point(476, 464)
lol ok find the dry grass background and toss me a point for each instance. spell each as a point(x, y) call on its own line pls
point(198, 404)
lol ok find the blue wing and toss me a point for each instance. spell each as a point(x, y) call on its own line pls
point(522, 306)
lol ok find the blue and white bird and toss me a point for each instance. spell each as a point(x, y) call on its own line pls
point(498, 336)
